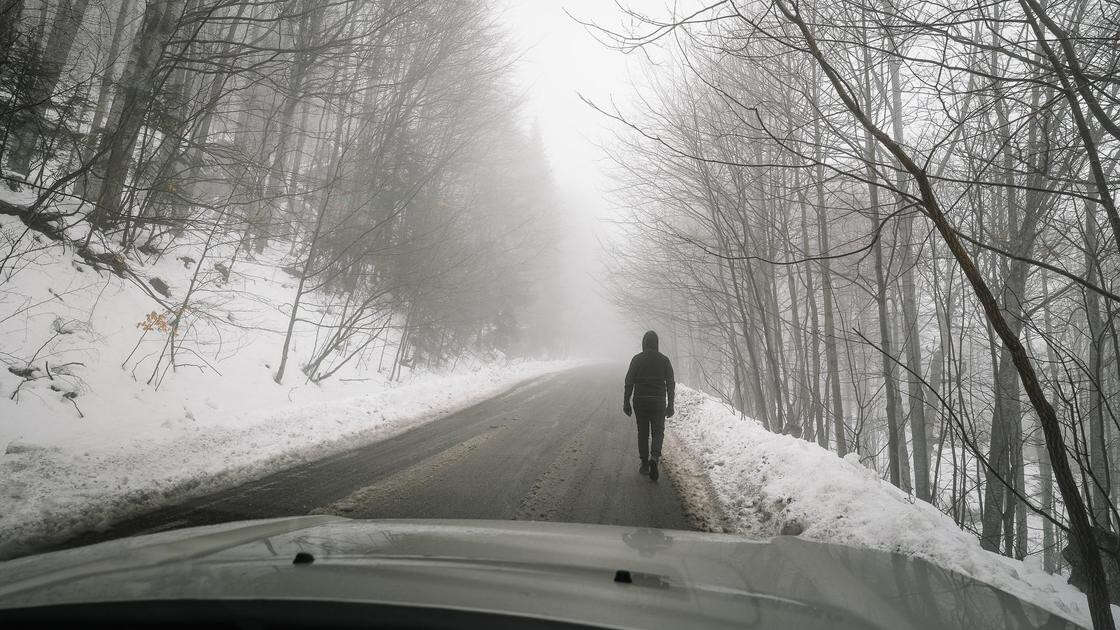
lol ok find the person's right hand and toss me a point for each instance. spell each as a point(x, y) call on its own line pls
point(626, 408)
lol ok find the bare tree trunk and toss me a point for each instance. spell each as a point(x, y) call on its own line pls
point(1099, 484)
point(314, 240)
point(104, 90)
point(1084, 539)
point(67, 20)
point(1050, 539)
point(130, 106)
point(749, 336)
point(829, 302)
point(1005, 415)
point(814, 371)
point(999, 503)
point(912, 330)
point(895, 438)
point(801, 412)
point(311, 18)
point(11, 11)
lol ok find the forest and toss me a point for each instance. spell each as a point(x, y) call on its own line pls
point(891, 228)
point(374, 149)
point(886, 227)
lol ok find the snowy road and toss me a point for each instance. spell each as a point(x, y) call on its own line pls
point(556, 448)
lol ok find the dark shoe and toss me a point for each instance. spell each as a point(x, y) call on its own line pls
point(644, 468)
point(653, 474)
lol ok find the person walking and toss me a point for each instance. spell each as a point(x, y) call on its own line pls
point(650, 383)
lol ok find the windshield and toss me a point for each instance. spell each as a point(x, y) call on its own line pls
point(840, 273)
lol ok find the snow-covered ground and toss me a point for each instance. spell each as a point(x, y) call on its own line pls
point(759, 483)
point(91, 475)
point(88, 437)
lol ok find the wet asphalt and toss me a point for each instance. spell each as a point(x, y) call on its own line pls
point(555, 448)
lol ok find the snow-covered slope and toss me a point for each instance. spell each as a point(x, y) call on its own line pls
point(87, 436)
point(764, 483)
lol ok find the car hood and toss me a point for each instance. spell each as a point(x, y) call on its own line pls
point(558, 571)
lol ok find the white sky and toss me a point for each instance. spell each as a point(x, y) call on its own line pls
point(562, 60)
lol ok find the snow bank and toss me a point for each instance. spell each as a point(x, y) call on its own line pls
point(87, 436)
point(764, 483)
point(94, 474)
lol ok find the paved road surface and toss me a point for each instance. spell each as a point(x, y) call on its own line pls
point(555, 448)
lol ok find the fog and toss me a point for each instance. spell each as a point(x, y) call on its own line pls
point(889, 231)
point(560, 61)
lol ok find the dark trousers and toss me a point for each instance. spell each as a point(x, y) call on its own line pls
point(651, 419)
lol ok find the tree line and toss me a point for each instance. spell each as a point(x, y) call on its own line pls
point(891, 228)
point(375, 147)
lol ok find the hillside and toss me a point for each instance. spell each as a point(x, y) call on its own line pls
point(90, 435)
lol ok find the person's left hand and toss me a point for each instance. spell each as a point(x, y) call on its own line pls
point(669, 412)
point(626, 409)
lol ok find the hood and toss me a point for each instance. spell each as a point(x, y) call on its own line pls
point(649, 341)
point(592, 574)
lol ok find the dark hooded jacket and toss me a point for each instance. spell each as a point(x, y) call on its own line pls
point(650, 377)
